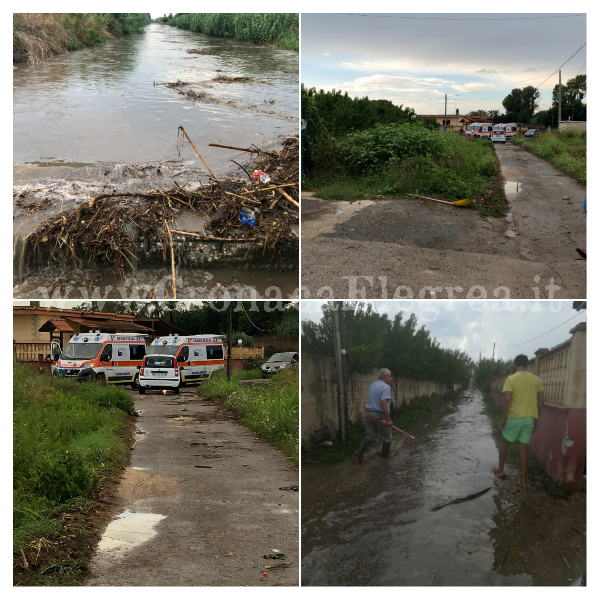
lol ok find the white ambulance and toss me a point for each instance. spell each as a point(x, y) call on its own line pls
point(471, 128)
point(511, 129)
point(198, 356)
point(114, 357)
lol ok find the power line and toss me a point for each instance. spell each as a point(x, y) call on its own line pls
point(463, 19)
point(255, 326)
point(561, 66)
point(543, 334)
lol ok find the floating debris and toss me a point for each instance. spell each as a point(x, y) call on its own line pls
point(110, 227)
point(203, 52)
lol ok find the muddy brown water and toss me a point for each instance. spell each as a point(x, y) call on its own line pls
point(82, 115)
point(374, 525)
point(100, 104)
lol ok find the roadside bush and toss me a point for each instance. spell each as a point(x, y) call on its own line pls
point(367, 151)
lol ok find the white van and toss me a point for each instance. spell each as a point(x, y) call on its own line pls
point(471, 128)
point(114, 357)
point(483, 130)
point(198, 356)
point(511, 129)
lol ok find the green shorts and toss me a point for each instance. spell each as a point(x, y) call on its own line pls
point(520, 429)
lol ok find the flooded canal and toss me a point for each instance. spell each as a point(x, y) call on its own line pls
point(101, 104)
point(93, 121)
point(374, 524)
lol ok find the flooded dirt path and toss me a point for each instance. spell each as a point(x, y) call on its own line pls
point(200, 503)
point(374, 525)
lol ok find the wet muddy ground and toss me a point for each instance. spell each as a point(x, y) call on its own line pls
point(415, 243)
point(374, 524)
point(200, 503)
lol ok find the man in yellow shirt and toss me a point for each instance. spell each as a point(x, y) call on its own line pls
point(523, 403)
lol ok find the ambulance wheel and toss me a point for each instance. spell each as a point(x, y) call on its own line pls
point(136, 382)
point(176, 391)
point(142, 390)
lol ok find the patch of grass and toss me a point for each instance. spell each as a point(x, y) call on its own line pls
point(65, 435)
point(270, 409)
point(565, 149)
point(536, 474)
point(407, 417)
point(36, 36)
point(395, 160)
point(275, 29)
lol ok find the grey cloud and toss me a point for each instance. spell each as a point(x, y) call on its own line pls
point(486, 72)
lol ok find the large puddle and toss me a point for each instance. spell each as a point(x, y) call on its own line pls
point(126, 532)
point(374, 524)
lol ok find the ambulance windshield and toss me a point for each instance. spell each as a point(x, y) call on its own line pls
point(80, 351)
point(163, 350)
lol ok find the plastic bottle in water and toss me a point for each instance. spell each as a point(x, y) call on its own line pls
point(247, 218)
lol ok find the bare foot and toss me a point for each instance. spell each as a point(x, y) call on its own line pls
point(498, 473)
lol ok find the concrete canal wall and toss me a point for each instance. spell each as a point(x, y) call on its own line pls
point(319, 395)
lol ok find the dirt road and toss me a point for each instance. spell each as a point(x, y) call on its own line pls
point(424, 245)
point(374, 524)
point(200, 504)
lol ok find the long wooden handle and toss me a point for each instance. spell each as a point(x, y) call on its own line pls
point(434, 199)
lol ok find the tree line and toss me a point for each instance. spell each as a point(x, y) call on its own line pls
point(249, 319)
point(374, 341)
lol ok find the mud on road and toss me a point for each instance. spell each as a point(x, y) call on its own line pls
point(417, 243)
point(200, 503)
point(375, 524)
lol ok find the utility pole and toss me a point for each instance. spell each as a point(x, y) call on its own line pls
point(344, 362)
point(494, 351)
point(521, 113)
point(445, 109)
point(337, 309)
point(229, 319)
point(480, 356)
point(559, 99)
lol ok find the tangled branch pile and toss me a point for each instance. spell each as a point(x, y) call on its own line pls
point(109, 227)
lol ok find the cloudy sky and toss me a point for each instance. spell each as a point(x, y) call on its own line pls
point(415, 61)
point(464, 325)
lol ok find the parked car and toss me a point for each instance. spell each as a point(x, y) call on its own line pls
point(531, 132)
point(159, 372)
point(499, 136)
point(279, 361)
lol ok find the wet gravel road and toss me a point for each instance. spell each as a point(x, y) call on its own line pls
point(200, 503)
point(374, 525)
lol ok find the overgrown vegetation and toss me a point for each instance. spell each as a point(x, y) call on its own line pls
point(360, 148)
point(537, 476)
point(405, 417)
point(565, 149)
point(37, 36)
point(374, 341)
point(486, 368)
point(65, 438)
point(275, 29)
point(270, 409)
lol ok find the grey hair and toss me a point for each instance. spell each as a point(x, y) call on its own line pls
point(383, 373)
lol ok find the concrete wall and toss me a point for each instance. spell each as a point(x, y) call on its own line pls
point(319, 395)
point(559, 441)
